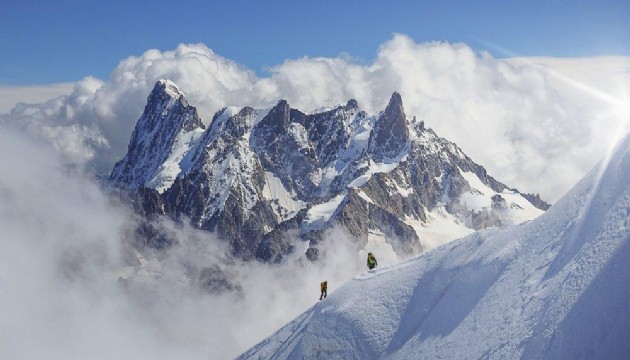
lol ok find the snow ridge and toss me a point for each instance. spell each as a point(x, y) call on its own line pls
point(553, 288)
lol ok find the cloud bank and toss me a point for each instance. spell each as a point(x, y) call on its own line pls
point(65, 253)
point(530, 128)
point(12, 95)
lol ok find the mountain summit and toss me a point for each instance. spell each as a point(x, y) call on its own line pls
point(167, 124)
point(391, 131)
point(259, 177)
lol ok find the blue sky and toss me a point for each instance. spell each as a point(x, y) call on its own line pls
point(57, 41)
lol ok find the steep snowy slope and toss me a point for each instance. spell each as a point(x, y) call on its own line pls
point(557, 287)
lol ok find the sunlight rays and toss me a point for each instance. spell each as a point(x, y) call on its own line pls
point(617, 114)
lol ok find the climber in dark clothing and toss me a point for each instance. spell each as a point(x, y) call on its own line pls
point(371, 261)
point(324, 288)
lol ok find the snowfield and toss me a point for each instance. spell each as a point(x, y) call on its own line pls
point(557, 287)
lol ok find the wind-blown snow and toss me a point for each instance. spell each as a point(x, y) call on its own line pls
point(556, 287)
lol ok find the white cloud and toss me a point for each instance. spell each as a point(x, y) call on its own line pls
point(64, 247)
point(68, 122)
point(524, 124)
point(12, 95)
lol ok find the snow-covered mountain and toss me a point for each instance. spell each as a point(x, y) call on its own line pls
point(557, 287)
point(259, 177)
point(162, 137)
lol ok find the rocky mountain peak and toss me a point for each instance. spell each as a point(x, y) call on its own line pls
point(391, 131)
point(395, 102)
point(274, 124)
point(166, 117)
point(232, 121)
point(169, 88)
point(352, 103)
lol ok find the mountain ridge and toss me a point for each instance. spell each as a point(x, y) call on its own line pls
point(258, 176)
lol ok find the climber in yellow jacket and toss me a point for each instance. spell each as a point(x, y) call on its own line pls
point(371, 261)
point(324, 288)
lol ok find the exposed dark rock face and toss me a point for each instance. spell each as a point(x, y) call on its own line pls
point(263, 178)
point(537, 201)
point(283, 146)
point(361, 217)
point(166, 116)
point(328, 131)
point(391, 131)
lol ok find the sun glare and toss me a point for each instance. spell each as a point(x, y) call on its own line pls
point(623, 109)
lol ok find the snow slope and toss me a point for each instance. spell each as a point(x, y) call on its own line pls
point(557, 287)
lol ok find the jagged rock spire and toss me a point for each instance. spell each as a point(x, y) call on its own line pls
point(352, 103)
point(391, 131)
